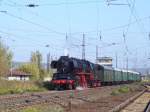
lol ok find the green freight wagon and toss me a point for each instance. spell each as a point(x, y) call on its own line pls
point(108, 75)
point(133, 76)
point(129, 76)
point(125, 75)
point(136, 76)
point(104, 74)
point(118, 76)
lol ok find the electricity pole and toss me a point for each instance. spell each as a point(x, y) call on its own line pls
point(127, 63)
point(66, 50)
point(48, 62)
point(116, 60)
point(83, 47)
point(96, 53)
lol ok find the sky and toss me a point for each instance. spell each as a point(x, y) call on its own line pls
point(103, 22)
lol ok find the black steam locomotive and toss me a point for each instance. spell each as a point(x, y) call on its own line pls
point(72, 72)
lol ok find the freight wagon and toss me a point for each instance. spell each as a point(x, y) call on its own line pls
point(73, 72)
point(108, 75)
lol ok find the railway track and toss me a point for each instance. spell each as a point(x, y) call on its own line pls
point(137, 103)
point(12, 103)
point(147, 109)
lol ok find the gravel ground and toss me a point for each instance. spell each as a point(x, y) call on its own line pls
point(102, 104)
point(102, 100)
point(92, 100)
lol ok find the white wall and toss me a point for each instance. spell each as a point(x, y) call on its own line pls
point(18, 78)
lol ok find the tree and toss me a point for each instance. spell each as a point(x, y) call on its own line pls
point(36, 58)
point(32, 69)
point(5, 59)
point(35, 66)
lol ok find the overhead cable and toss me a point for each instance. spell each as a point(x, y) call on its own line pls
point(32, 5)
point(31, 22)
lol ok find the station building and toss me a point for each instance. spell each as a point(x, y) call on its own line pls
point(105, 61)
point(18, 75)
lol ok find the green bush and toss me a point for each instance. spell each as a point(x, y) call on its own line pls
point(31, 110)
point(14, 87)
point(115, 92)
point(122, 89)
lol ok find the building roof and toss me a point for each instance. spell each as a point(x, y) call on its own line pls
point(104, 58)
point(18, 73)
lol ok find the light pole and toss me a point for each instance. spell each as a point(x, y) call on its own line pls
point(11, 63)
point(48, 59)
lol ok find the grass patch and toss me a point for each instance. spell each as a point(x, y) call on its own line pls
point(14, 87)
point(121, 90)
point(30, 110)
point(124, 89)
point(42, 108)
point(115, 92)
point(134, 87)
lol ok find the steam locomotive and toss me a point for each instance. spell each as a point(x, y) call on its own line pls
point(73, 72)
